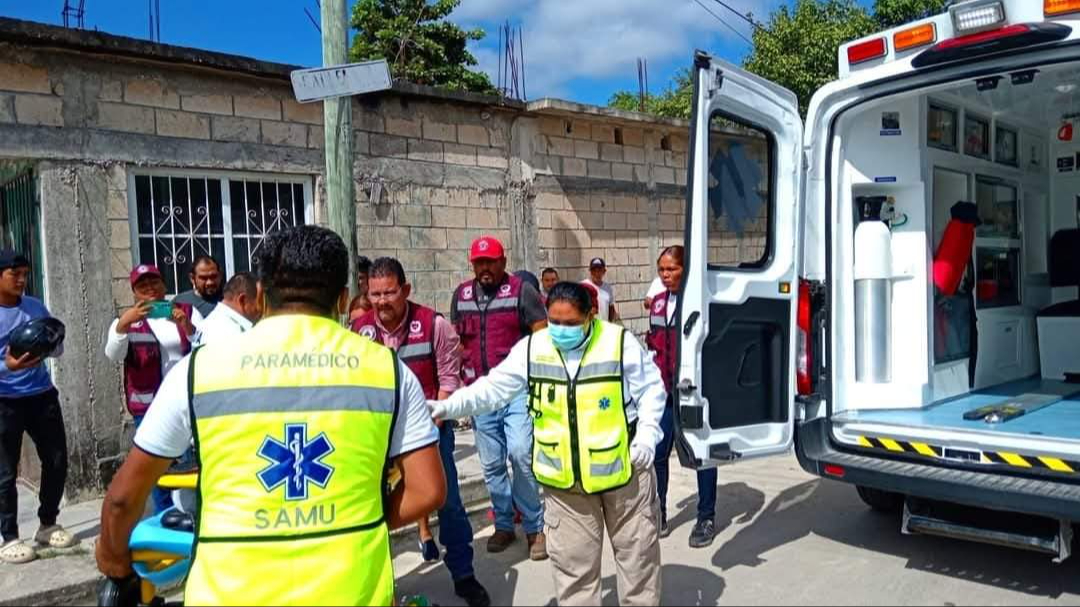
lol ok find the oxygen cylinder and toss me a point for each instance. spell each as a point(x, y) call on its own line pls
point(873, 291)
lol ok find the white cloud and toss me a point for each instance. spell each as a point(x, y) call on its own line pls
point(599, 39)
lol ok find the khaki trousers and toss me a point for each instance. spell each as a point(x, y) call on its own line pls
point(575, 541)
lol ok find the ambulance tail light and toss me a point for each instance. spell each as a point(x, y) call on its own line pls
point(1054, 8)
point(867, 51)
point(804, 352)
point(915, 37)
point(972, 17)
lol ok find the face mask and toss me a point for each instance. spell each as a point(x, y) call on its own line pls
point(567, 338)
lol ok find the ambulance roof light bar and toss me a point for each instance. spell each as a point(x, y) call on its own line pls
point(977, 16)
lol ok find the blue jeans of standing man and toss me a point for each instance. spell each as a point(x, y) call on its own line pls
point(508, 433)
point(706, 479)
point(455, 531)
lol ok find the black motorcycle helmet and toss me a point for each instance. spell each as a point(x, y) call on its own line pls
point(40, 337)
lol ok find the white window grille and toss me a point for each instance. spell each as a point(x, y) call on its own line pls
point(178, 215)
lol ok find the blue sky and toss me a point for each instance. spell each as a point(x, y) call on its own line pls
point(582, 50)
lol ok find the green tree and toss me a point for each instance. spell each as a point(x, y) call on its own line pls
point(421, 45)
point(797, 48)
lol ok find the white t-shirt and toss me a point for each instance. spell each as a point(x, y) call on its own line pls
point(166, 430)
point(605, 295)
point(655, 288)
point(223, 323)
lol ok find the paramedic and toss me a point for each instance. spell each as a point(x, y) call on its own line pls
point(295, 420)
point(606, 483)
point(662, 339)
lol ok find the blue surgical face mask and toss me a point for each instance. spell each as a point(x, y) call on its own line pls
point(567, 338)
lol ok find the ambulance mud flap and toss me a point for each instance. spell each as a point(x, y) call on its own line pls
point(919, 519)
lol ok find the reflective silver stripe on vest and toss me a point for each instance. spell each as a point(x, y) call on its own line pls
point(541, 370)
point(605, 369)
point(142, 398)
point(611, 469)
point(142, 338)
point(414, 350)
point(498, 304)
point(658, 321)
point(276, 400)
point(547, 460)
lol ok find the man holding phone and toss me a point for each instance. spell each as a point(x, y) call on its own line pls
point(149, 338)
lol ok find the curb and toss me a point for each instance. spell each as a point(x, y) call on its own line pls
point(474, 495)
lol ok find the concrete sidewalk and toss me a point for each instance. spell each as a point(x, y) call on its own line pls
point(70, 577)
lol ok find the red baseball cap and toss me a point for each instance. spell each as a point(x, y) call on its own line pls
point(143, 270)
point(486, 247)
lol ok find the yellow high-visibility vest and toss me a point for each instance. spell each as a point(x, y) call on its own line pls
point(580, 430)
point(292, 424)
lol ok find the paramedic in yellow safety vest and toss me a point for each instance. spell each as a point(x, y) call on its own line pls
point(593, 448)
point(294, 423)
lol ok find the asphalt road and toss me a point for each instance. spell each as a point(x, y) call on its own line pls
point(787, 538)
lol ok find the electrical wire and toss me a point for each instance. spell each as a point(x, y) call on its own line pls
point(726, 24)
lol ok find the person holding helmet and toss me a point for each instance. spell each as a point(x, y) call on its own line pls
point(596, 399)
point(29, 403)
point(491, 313)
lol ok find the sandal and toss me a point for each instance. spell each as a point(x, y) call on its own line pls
point(55, 536)
point(17, 552)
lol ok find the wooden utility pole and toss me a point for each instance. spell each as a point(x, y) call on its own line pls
point(340, 197)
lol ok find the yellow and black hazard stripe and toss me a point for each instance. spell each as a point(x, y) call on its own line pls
point(1001, 458)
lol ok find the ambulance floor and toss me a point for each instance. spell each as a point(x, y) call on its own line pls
point(1060, 419)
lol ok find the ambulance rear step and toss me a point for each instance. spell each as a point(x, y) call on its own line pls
point(1030, 533)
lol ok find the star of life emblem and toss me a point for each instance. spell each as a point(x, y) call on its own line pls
point(296, 462)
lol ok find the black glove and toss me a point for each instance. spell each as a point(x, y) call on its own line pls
point(119, 593)
point(966, 212)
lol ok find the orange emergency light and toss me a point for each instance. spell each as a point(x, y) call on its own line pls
point(915, 37)
point(1052, 8)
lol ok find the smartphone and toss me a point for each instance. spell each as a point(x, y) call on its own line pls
point(160, 309)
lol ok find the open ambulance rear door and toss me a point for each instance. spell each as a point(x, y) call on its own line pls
point(737, 356)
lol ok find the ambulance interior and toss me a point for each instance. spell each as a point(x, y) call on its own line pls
point(962, 340)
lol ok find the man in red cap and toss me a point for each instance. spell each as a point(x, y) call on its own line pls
point(149, 338)
point(491, 313)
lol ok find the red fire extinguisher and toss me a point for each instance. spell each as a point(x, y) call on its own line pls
point(954, 252)
point(1065, 133)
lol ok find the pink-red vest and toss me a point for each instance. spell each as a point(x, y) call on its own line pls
point(663, 339)
point(418, 350)
point(142, 367)
point(489, 331)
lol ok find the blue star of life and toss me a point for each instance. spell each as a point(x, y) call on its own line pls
point(605, 403)
point(296, 462)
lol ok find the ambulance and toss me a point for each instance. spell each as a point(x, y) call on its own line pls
point(891, 288)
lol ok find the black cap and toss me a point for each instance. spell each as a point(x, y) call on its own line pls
point(12, 259)
point(597, 262)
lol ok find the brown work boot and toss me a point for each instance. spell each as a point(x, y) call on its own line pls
point(500, 541)
point(537, 547)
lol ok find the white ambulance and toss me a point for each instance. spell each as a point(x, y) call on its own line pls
point(892, 289)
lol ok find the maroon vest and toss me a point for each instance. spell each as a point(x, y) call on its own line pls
point(142, 367)
point(663, 339)
point(418, 350)
point(488, 331)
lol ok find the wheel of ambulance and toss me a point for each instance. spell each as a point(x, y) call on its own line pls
point(884, 502)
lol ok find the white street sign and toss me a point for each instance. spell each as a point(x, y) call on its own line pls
point(341, 80)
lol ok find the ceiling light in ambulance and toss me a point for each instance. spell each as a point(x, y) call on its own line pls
point(976, 16)
point(915, 37)
point(1053, 8)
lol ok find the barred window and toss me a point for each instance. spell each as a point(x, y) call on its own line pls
point(180, 215)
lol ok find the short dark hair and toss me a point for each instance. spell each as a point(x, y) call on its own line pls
point(201, 259)
point(363, 265)
point(547, 271)
point(241, 283)
point(571, 292)
point(384, 267)
point(306, 265)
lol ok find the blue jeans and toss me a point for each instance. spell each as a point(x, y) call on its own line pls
point(505, 433)
point(706, 479)
point(455, 531)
